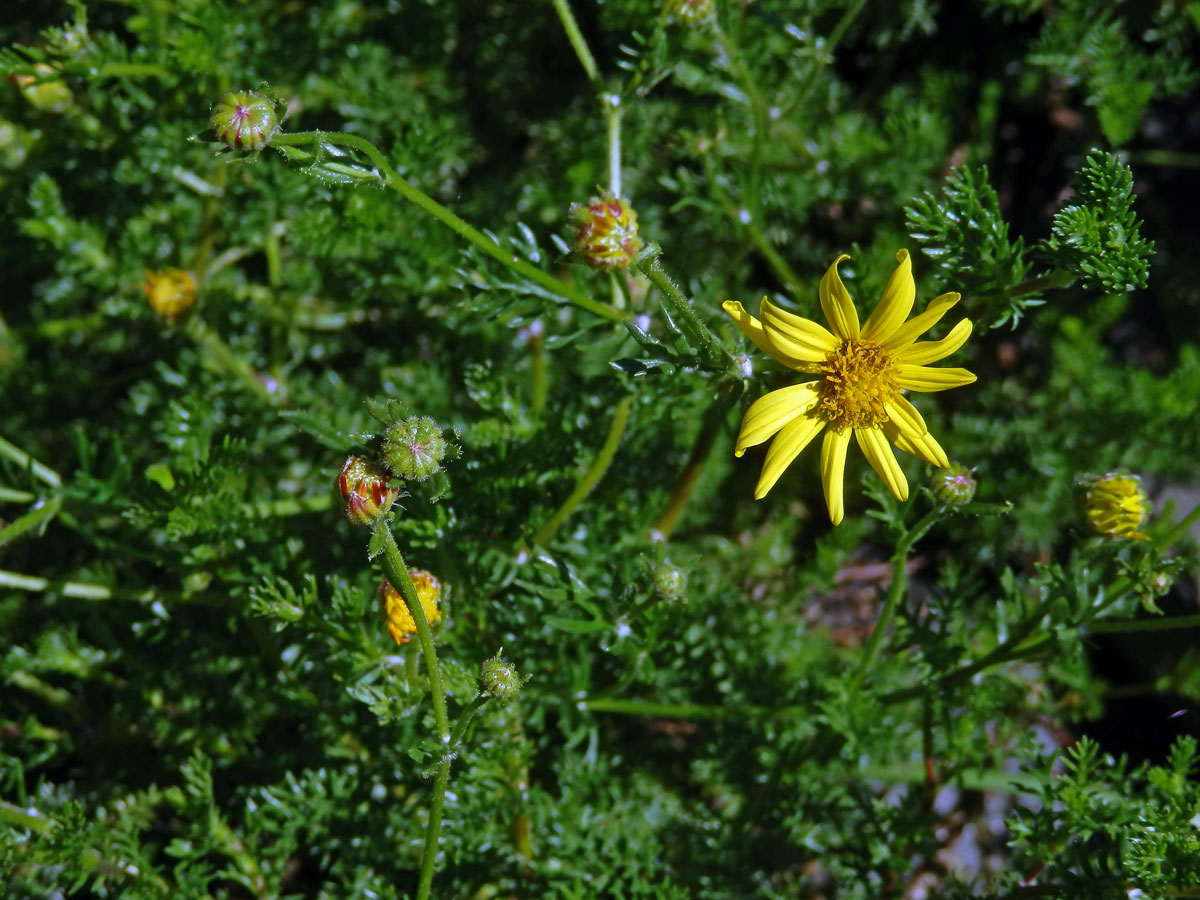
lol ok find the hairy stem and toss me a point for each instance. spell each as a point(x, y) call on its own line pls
point(593, 475)
point(397, 575)
point(472, 235)
point(714, 356)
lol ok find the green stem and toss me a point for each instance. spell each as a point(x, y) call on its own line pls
point(540, 388)
point(87, 591)
point(38, 517)
point(221, 353)
point(575, 36)
point(27, 462)
point(612, 110)
point(593, 475)
point(1058, 278)
point(397, 575)
point(1119, 626)
point(1177, 531)
point(474, 236)
point(710, 427)
point(26, 818)
point(896, 591)
point(396, 572)
point(740, 219)
point(758, 107)
point(681, 310)
point(8, 495)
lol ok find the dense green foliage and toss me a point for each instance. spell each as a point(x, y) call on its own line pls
point(200, 696)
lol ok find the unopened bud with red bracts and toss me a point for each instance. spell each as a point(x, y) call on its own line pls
point(400, 623)
point(366, 491)
point(606, 233)
point(245, 120)
point(171, 292)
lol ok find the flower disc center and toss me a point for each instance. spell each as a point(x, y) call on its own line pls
point(858, 378)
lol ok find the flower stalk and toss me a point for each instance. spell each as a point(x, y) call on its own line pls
point(396, 572)
point(394, 181)
point(712, 354)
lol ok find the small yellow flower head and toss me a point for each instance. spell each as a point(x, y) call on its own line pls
point(365, 490)
point(414, 448)
point(1116, 505)
point(245, 120)
point(606, 233)
point(955, 486)
point(690, 12)
point(52, 95)
point(400, 622)
point(862, 372)
point(171, 292)
point(499, 679)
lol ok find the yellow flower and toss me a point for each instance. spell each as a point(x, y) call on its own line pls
point(862, 372)
point(1116, 505)
point(171, 292)
point(400, 622)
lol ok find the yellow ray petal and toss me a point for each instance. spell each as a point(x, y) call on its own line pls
point(895, 305)
point(925, 352)
point(918, 325)
point(771, 412)
point(835, 301)
point(928, 379)
point(875, 448)
point(794, 336)
point(753, 329)
point(906, 417)
point(833, 471)
point(926, 448)
point(792, 438)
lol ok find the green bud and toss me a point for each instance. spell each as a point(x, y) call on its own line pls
point(499, 679)
point(669, 581)
point(955, 486)
point(245, 120)
point(414, 448)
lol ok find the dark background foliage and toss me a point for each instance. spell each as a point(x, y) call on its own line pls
point(200, 698)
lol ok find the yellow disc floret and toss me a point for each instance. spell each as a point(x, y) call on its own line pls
point(857, 379)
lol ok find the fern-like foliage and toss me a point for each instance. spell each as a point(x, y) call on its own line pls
point(964, 231)
point(1098, 238)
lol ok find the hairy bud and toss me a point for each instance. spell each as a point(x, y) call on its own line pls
point(606, 233)
point(245, 120)
point(414, 448)
point(364, 487)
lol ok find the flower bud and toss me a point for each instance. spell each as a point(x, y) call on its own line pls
point(365, 489)
point(669, 581)
point(400, 623)
point(171, 292)
point(606, 233)
point(499, 679)
point(414, 448)
point(52, 95)
point(690, 12)
point(954, 486)
point(1116, 505)
point(245, 120)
